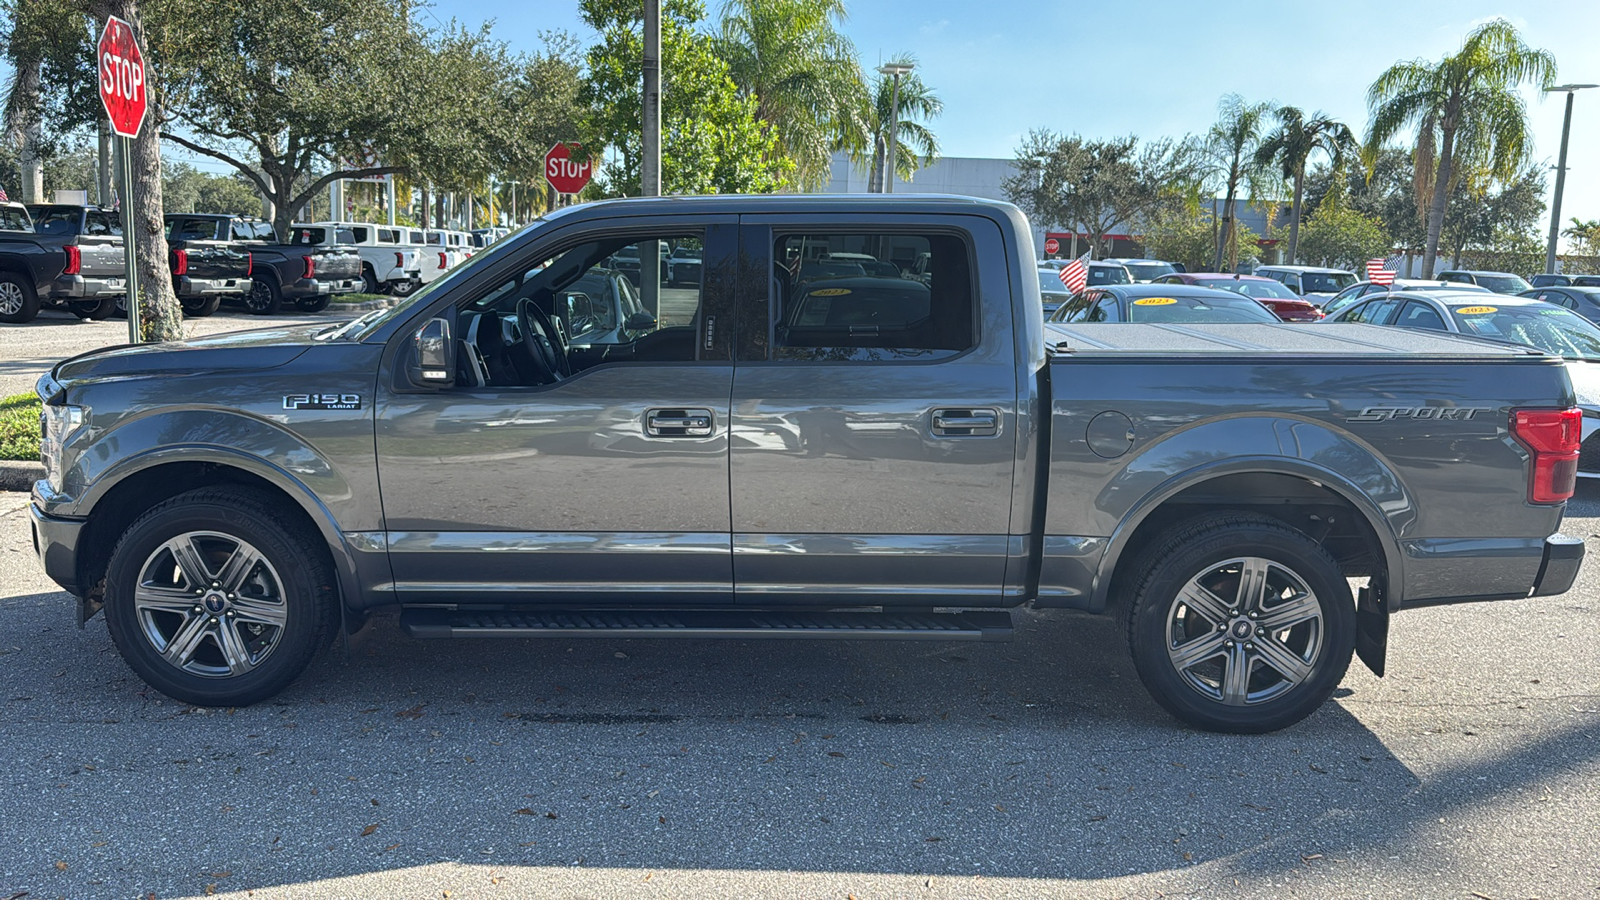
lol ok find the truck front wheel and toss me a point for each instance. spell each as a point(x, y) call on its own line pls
point(219, 597)
point(1240, 624)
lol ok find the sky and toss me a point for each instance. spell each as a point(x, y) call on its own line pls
point(1157, 69)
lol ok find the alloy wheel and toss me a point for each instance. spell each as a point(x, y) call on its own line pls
point(11, 298)
point(210, 604)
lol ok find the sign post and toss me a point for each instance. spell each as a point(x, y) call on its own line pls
point(122, 92)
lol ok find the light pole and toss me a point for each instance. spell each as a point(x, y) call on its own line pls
point(1561, 174)
point(895, 70)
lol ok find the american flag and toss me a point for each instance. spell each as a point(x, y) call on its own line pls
point(1381, 271)
point(3, 197)
point(1075, 274)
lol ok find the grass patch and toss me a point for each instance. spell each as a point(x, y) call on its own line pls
point(358, 298)
point(19, 427)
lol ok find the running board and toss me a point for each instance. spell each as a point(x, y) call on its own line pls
point(971, 625)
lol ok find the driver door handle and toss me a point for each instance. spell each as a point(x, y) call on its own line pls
point(679, 423)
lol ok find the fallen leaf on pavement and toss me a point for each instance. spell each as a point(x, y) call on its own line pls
point(368, 830)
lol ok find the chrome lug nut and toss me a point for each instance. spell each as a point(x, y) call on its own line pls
point(1228, 644)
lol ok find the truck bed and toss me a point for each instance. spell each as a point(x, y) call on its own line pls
point(1351, 341)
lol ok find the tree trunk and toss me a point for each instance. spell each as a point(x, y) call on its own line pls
point(880, 150)
point(25, 94)
point(1441, 193)
point(1294, 222)
point(1226, 236)
point(422, 218)
point(103, 175)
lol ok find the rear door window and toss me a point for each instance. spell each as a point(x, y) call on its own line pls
point(1418, 314)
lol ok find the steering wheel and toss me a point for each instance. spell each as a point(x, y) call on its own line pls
point(544, 342)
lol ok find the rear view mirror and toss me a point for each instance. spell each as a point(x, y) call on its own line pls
point(433, 355)
point(640, 321)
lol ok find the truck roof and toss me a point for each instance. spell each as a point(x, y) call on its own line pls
point(1285, 341)
point(782, 203)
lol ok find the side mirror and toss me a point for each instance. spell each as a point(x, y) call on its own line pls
point(640, 321)
point(433, 355)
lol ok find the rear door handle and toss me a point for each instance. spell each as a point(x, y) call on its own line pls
point(679, 423)
point(966, 422)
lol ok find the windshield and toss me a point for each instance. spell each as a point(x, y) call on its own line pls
point(1503, 284)
point(308, 236)
point(1325, 282)
point(1191, 309)
point(1267, 288)
point(1549, 328)
point(1050, 282)
point(1107, 274)
point(15, 218)
point(56, 221)
point(1148, 271)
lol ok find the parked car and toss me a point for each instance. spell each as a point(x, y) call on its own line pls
point(925, 457)
point(1161, 304)
point(1510, 320)
point(1312, 283)
point(684, 264)
point(1099, 271)
point(206, 269)
point(1498, 282)
point(1145, 271)
point(1585, 301)
point(1273, 294)
point(1367, 288)
point(1051, 290)
point(1548, 280)
point(60, 256)
point(389, 264)
point(300, 270)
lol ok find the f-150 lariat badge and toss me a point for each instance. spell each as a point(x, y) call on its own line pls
point(321, 401)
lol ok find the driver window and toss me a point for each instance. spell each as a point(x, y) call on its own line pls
point(600, 302)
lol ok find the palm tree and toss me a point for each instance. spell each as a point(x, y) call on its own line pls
point(1467, 114)
point(1228, 152)
point(804, 74)
point(1290, 146)
point(915, 144)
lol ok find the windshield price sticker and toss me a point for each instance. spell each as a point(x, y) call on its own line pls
point(831, 292)
point(1155, 301)
point(1477, 310)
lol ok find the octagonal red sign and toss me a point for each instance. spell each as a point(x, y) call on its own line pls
point(122, 77)
point(565, 172)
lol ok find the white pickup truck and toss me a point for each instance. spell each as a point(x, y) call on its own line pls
point(438, 251)
point(390, 264)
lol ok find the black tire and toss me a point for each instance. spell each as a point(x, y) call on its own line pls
point(119, 307)
point(316, 303)
point(264, 298)
point(293, 584)
point(93, 310)
point(19, 303)
point(1300, 584)
point(403, 288)
point(199, 307)
point(369, 281)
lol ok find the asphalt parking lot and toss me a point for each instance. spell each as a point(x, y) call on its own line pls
point(601, 768)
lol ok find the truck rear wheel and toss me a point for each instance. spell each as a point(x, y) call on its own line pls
point(316, 303)
point(18, 302)
point(199, 307)
point(369, 281)
point(1240, 624)
point(264, 297)
point(218, 597)
point(93, 310)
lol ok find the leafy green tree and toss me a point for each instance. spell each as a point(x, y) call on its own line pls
point(804, 75)
point(1178, 235)
point(712, 140)
point(1228, 157)
point(1290, 146)
point(1489, 215)
point(1467, 113)
point(916, 146)
point(1337, 235)
point(1585, 236)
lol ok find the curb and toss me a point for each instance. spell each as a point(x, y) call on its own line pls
point(18, 475)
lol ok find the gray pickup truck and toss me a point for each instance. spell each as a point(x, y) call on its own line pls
point(60, 256)
point(782, 450)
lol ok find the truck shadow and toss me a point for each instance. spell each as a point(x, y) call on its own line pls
point(1041, 758)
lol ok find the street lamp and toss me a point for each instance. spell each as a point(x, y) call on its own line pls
point(1561, 174)
point(895, 70)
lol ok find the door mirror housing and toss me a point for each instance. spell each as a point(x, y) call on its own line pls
point(433, 355)
point(640, 321)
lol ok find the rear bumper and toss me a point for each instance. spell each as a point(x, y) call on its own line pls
point(78, 287)
point(1563, 556)
point(315, 287)
point(188, 286)
point(56, 542)
point(1478, 570)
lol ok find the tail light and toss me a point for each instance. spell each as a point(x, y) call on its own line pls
point(180, 262)
point(74, 260)
point(311, 267)
point(399, 259)
point(1552, 438)
point(444, 261)
point(249, 264)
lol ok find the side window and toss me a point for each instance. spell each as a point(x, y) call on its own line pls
point(1075, 309)
point(589, 299)
point(1292, 282)
point(1106, 310)
point(1376, 312)
point(241, 231)
point(96, 223)
point(872, 297)
point(1418, 314)
point(359, 234)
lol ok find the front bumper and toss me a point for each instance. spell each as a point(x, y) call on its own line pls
point(212, 287)
point(56, 542)
point(78, 287)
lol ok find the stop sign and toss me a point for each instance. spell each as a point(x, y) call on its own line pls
point(564, 173)
point(1051, 245)
point(122, 77)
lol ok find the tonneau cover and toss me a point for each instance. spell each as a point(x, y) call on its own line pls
point(1298, 341)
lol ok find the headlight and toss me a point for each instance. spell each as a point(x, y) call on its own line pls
point(56, 425)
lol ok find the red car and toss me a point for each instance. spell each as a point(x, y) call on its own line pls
point(1272, 294)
